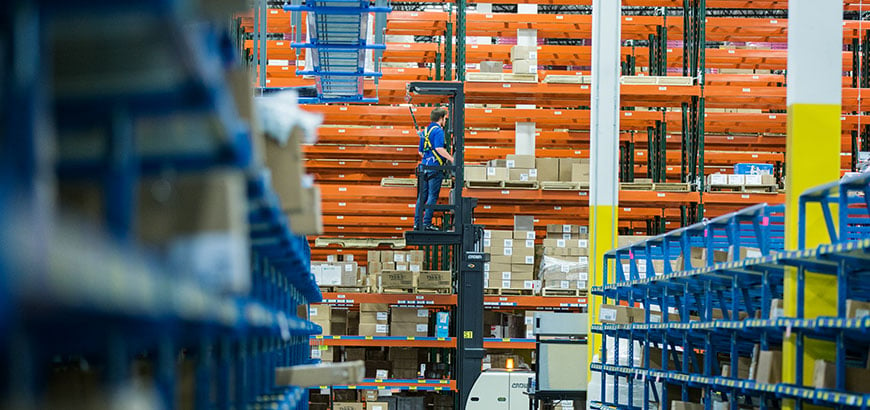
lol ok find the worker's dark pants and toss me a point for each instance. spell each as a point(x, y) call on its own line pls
point(427, 194)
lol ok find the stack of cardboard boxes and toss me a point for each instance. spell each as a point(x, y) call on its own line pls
point(527, 168)
point(565, 260)
point(403, 270)
point(405, 362)
point(338, 270)
point(409, 321)
point(512, 260)
point(374, 319)
point(515, 168)
point(524, 59)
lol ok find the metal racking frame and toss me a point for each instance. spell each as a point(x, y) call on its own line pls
point(70, 290)
point(739, 287)
point(338, 31)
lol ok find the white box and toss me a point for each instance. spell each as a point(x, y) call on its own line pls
point(717, 179)
point(330, 275)
point(736, 179)
point(753, 179)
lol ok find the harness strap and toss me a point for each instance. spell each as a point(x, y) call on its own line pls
point(427, 146)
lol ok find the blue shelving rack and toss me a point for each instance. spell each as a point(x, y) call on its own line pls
point(738, 288)
point(337, 31)
point(72, 291)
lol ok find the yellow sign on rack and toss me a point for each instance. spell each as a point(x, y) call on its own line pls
point(369, 338)
point(468, 334)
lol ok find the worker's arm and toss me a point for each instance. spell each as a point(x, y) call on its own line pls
point(444, 154)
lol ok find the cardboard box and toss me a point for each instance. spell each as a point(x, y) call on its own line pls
point(374, 307)
point(416, 256)
point(523, 174)
point(524, 53)
point(435, 279)
point(396, 279)
point(377, 405)
point(374, 317)
point(409, 329)
point(518, 258)
point(769, 368)
point(285, 164)
point(717, 179)
point(520, 161)
point(743, 364)
point(768, 179)
point(752, 179)
point(857, 309)
point(825, 377)
point(378, 369)
point(348, 406)
point(614, 314)
point(580, 171)
point(497, 174)
point(475, 173)
point(373, 256)
point(777, 309)
point(548, 169)
point(315, 374)
point(408, 315)
point(497, 236)
point(685, 405)
point(745, 253)
point(524, 223)
point(308, 219)
point(524, 67)
point(491, 67)
point(525, 235)
point(498, 163)
point(736, 179)
point(374, 329)
point(566, 168)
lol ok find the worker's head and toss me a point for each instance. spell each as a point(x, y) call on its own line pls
point(439, 116)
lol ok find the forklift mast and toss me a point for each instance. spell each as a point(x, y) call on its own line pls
point(466, 239)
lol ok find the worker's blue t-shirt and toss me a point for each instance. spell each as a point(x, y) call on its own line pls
point(436, 137)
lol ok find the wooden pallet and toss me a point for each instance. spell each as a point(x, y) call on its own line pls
point(656, 80)
point(344, 289)
point(410, 182)
point(559, 292)
point(484, 184)
point(508, 292)
point(500, 78)
point(753, 189)
point(567, 79)
point(655, 186)
point(560, 186)
point(434, 291)
point(397, 290)
point(371, 243)
point(520, 184)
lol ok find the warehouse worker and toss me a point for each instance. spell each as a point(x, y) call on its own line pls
point(433, 153)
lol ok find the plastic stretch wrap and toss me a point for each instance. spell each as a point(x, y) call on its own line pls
point(569, 268)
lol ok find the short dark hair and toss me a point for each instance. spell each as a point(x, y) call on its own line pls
point(437, 114)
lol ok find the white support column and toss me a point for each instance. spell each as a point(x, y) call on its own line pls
point(814, 98)
point(604, 149)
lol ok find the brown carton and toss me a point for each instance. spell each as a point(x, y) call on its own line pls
point(856, 309)
point(769, 368)
point(434, 279)
point(614, 314)
point(408, 315)
point(825, 377)
point(409, 329)
point(548, 169)
point(520, 161)
point(566, 167)
point(685, 405)
point(396, 279)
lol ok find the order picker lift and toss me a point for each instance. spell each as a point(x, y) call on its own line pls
point(466, 239)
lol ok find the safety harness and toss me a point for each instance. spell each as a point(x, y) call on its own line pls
point(427, 147)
